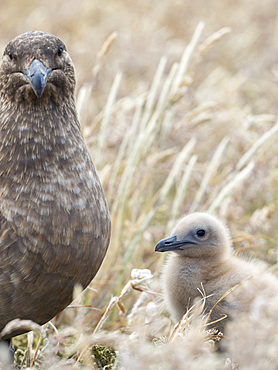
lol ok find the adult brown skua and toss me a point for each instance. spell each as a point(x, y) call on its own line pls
point(54, 219)
point(202, 259)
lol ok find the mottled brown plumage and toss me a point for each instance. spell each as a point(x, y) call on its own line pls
point(54, 219)
point(201, 259)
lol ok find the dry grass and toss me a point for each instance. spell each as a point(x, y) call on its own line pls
point(178, 103)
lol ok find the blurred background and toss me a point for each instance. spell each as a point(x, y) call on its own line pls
point(171, 129)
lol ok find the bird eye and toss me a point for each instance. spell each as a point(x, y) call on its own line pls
point(201, 233)
point(60, 51)
point(10, 55)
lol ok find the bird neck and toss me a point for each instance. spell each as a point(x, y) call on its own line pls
point(201, 268)
point(45, 169)
point(36, 118)
point(32, 139)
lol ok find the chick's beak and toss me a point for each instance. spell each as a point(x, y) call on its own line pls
point(172, 244)
point(37, 75)
point(167, 244)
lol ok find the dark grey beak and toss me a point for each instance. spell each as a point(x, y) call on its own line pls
point(172, 244)
point(37, 75)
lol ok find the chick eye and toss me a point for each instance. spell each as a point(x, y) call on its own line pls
point(60, 51)
point(10, 55)
point(201, 233)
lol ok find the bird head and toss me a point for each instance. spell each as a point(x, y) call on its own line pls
point(36, 67)
point(197, 235)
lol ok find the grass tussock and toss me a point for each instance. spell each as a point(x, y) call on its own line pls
point(178, 108)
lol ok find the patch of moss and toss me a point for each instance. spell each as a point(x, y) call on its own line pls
point(104, 357)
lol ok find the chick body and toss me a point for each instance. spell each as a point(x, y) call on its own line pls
point(202, 260)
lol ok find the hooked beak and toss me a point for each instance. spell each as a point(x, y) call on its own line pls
point(37, 75)
point(172, 244)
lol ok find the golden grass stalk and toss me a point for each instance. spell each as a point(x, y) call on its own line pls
point(212, 168)
point(83, 99)
point(181, 192)
point(106, 116)
point(127, 143)
point(176, 169)
point(187, 57)
point(230, 186)
point(256, 146)
point(221, 298)
point(104, 50)
point(212, 39)
point(153, 92)
point(242, 169)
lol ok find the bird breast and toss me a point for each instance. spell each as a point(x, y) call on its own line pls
point(50, 190)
